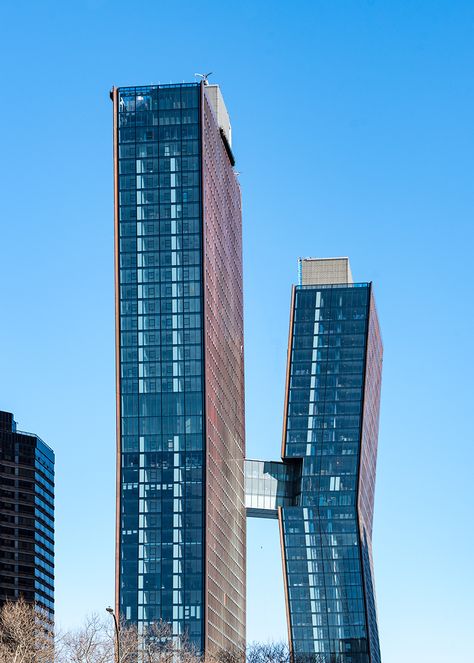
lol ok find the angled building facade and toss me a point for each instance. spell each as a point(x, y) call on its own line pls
point(180, 546)
point(26, 517)
point(323, 490)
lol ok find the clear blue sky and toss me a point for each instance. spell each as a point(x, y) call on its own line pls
point(353, 130)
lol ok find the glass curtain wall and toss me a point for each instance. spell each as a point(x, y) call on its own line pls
point(44, 527)
point(321, 540)
point(161, 350)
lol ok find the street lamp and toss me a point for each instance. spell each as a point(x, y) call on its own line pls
point(117, 638)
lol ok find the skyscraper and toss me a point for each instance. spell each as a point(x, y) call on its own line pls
point(323, 490)
point(26, 517)
point(180, 548)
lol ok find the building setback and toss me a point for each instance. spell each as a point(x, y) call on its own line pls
point(180, 547)
point(26, 517)
point(323, 490)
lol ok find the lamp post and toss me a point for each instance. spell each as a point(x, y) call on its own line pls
point(117, 635)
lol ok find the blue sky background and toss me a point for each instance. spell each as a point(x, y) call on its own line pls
point(353, 132)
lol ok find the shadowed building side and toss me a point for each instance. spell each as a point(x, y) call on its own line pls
point(224, 382)
point(26, 517)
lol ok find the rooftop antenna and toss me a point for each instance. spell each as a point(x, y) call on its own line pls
point(204, 77)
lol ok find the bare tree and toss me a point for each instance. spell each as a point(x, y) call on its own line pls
point(279, 652)
point(157, 644)
point(269, 652)
point(233, 655)
point(26, 634)
point(91, 643)
point(95, 642)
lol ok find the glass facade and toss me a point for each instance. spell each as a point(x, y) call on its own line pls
point(165, 295)
point(270, 484)
point(181, 503)
point(26, 517)
point(323, 490)
point(326, 546)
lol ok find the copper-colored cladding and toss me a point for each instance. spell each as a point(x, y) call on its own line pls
point(283, 452)
point(370, 419)
point(285, 580)
point(368, 462)
point(114, 96)
point(224, 598)
point(288, 366)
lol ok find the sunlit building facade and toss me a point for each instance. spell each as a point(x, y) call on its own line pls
point(323, 490)
point(180, 547)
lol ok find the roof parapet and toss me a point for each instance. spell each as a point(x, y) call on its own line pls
point(324, 271)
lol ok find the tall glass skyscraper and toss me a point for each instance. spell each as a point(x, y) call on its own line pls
point(323, 490)
point(180, 548)
point(26, 517)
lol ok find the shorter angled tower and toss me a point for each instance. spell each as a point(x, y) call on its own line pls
point(26, 517)
point(323, 490)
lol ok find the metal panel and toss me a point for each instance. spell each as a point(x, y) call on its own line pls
point(224, 380)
